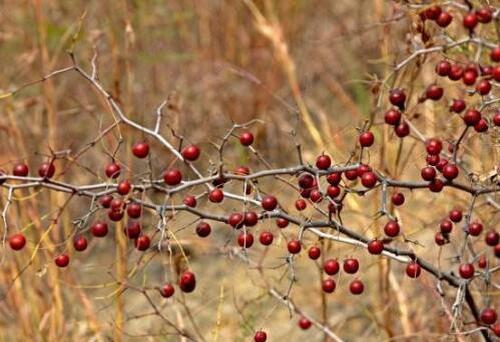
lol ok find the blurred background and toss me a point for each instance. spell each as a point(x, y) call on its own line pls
point(215, 62)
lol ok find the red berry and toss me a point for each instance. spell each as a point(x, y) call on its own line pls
point(203, 229)
point(482, 262)
point(80, 243)
point(304, 323)
point(375, 246)
point(329, 285)
point(314, 252)
point(242, 170)
point(142, 242)
point(441, 164)
point(495, 54)
point(397, 97)
point(294, 246)
point(140, 149)
point(236, 220)
point(450, 171)
point(323, 162)
point(260, 336)
point(251, 218)
point(434, 92)
point(496, 329)
point(269, 203)
point(333, 191)
point(413, 270)
point(216, 196)
point(245, 240)
point(17, 241)
point(190, 201)
point(105, 201)
point(492, 238)
point(455, 215)
point(471, 117)
point(246, 138)
point(466, 271)
point(440, 239)
point(47, 170)
point(481, 126)
point(402, 130)
point(428, 173)
point(316, 196)
point(432, 159)
point(368, 179)
point(362, 169)
point(266, 238)
point(433, 12)
point(99, 229)
point(391, 228)
point(191, 152)
point(281, 222)
point(124, 187)
point(475, 228)
point(134, 210)
point(446, 226)
point(167, 290)
point(488, 316)
point(133, 230)
point(334, 178)
point(300, 204)
point(397, 198)
point(483, 87)
point(356, 287)
point(366, 139)
point(306, 181)
point(469, 77)
point(187, 282)
point(117, 204)
point(351, 174)
point(444, 19)
point(436, 185)
point(331, 266)
point(484, 15)
point(456, 72)
point(470, 20)
point(443, 68)
point(392, 117)
point(351, 266)
point(115, 215)
point(172, 177)
point(20, 170)
point(112, 170)
point(433, 146)
point(62, 260)
point(457, 106)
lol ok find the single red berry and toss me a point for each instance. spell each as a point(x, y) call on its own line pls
point(316, 196)
point(351, 266)
point(124, 187)
point(433, 12)
point(172, 177)
point(189, 201)
point(362, 169)
point(142, 242)
point(475, 228)
point(482, 262)
point(440, 239)
point(187, 282)
point(481, 126)
point(17, 241)
point(333, 191)
point(483, 87)
point(133, 230)
point(269, 203)
point(306, 181)
point(62, 260)
point(236, 220)
point(266, 238)
point(466, 271)
point(392, 117)
point(246, 138)
point(436, 185)
point(334, 178)
point(495, 54)
point(492, 238)
point(457, 106)
point(455, 215)
point(444, 19)
point(329, 285)
point(323, 162)
point(397, 198)
point(216, 196)
point(433, 146)
point(112, 170)
point(314, 252)
point(191, 152)
point(450, 171)
point(304, 323)
point(428, 173)
point(20, 170)
point(242, 170)
point(369, 179)
point(140, 149)
point(488, 316)
point(470, 20)
point(331, 266)
point(294, 246)
point(413, 269)
point(469, 77)
point(203, 229)
point(484, 15)
point(167, 291)
point(47, 170)
point(434, 92)
point(391, 228)
point(356, 287)
point(443, 68)
point(456, 72)
point(441, 164)
point(366, 139)
point(80, 243)
point(117, 204)
point(281, 222)
point(251, 218)
point(402, 130)
point(99, 229)
point(397, 97)
point(496, 119)
point(300, 204)
point(351, 174)
point(245, 240)
point(446, 226)
point(115, 215)
point(375, 246)
point(260, 336)
point(105, 201)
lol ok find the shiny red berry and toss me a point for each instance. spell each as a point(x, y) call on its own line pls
point(304, 323)
point(470, 20)
point(475, 228)
point(112, 170)
point(17, 241)
point(492, 238)
point(187, 282)
point(392, 117)
point(246, 138)
point(189, 201)
point(124, 187)
point(391, 228)
point(62, 260)
point(466, 271)
point(351, 266)
point(398, 199)
point(80, 243)
point(434, 92)
point(266, 238)
point(191, 152)
point(375, 246)
point(450, 171)
point(331, 266)
point(314, 252)
point(20, 170)
point(216, 196)
point(99, 229)
point(140, 149)
point(413, 270)
point(167, 291)
point(269, 203)
point(133, 230)
point(142, 243)
point(47, 170)
point(203, 229)
point(294, 246)
point(172, 177)
point(356, 287)
point(260, 336)
point(488, 316)
point(323, 162)
point(457, 105)
point(245, 240)
point(329, 285)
